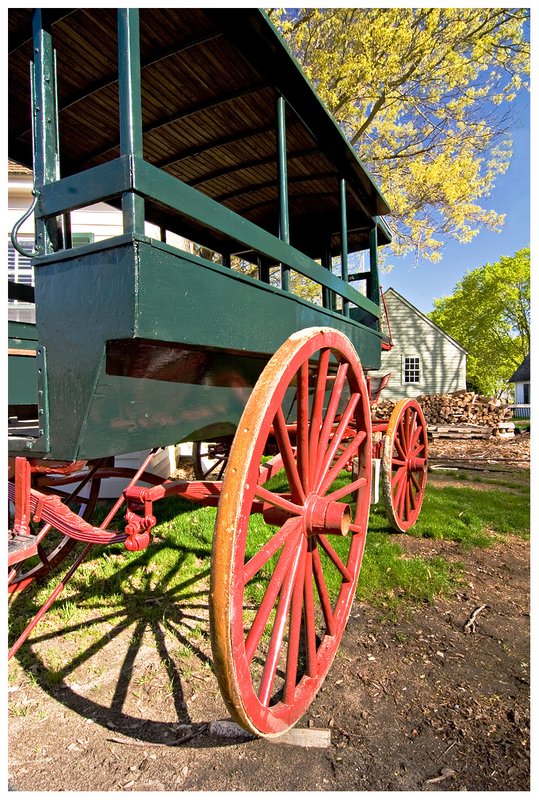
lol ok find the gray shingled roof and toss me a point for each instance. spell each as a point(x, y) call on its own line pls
point(523, 372)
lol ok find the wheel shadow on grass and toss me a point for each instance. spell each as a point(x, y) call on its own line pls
point(125, 635)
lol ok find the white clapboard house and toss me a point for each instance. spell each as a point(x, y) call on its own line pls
point(424, 359)
point(521, 379)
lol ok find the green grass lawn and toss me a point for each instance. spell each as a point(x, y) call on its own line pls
point(116, 588)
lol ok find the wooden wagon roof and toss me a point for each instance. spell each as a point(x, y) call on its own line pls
point(210, 81)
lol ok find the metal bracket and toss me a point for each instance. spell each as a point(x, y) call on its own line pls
point(14, 233)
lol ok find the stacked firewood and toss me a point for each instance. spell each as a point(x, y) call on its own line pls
point(456, 409)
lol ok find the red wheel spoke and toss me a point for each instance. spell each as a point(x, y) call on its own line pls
point(407, 500)
point(336, 394)
point(355, 528)
point(347, 489)
point(318, 408)
point(294, 633)
point(336, 440)
point(417, 449)
point(274, 586)
point(404, 431)
point(323, 593)
point(399, 491)
point(415, 482)
point(277, 635)
point(398, 476)
point(256, 563)
point(408, 426)
point(402, 493)
point(399, 438)
point(303, 426)
point(277, 500)
point(289, 461)
point(310, 626)
point(397, 462)
point(412, 496)
point(415, 436)
point(334, 557)
point(342, 461)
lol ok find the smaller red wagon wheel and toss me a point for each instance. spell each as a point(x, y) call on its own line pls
point(290, 530)
point(55, 547)
point(210, 459)
point(404, 464)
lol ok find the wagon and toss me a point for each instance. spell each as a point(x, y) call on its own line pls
point(240, 307)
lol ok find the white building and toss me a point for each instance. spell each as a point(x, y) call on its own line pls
point(424, 359)
point(521, 379)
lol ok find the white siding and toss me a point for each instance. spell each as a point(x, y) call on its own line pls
point(442, 363)
point(520, 388)
point(100, 220)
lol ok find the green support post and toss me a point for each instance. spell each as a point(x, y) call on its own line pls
point(129, 79)
point(45, 126)
point(374, 286)
point(263, 270)
point(344, 245)
point(68, 237)
point(284, 231)
point(328, 297)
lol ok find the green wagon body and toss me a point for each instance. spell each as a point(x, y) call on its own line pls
point(181, 343)
point(141, 344)
point(236, 190)
point(22, 371)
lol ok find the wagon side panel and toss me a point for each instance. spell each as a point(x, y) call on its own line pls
point(80, 303)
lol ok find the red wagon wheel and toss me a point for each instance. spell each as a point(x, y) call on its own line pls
point(290, 530)
point(404, 464)
point(210, 459)
point(54, 547)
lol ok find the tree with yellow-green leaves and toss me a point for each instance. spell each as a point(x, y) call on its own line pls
point(424, 96)
point(489, 314)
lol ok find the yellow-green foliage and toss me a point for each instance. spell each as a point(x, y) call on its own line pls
point(489, 314)
point(422, 94)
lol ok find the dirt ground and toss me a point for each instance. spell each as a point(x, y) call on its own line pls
point(436, 700)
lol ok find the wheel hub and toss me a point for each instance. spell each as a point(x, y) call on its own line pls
point(323, 516)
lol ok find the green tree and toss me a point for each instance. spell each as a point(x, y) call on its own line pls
point(423, 95)
point(489, 314)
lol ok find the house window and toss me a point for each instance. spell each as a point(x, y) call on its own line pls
point(526, 393)
point(411, 369)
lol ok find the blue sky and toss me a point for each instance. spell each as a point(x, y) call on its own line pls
point(511, 196)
